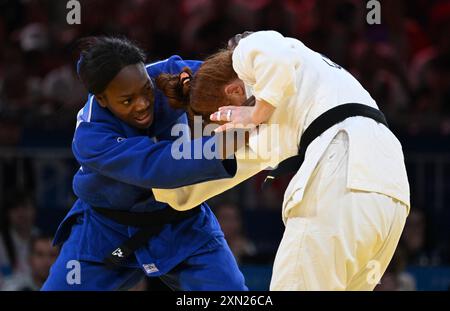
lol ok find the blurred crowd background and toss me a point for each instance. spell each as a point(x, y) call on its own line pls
point(404, 63)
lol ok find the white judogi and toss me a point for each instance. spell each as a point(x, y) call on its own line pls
point(372, 188)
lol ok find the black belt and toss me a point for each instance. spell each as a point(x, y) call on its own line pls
point(150, 224)
point(317, 127)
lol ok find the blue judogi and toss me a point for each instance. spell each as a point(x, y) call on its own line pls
point(119, 166)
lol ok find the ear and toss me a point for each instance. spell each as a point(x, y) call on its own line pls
point(101, 99)
point(234, 88)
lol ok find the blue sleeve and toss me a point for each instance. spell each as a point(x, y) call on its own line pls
point(172, 65)
point(166, 134)
point(141, 162)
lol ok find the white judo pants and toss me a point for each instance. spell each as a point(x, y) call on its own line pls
point(337, 238)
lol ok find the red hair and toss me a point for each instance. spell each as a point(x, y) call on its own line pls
point(204, 93)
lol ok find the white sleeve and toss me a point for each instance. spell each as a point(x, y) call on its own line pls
point(188, 197)
point(268, 62)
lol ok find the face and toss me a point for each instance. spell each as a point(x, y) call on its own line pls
point(414, 232)
point(230, 220)
point(129, 96)
point(22, 217)
point(42, 256)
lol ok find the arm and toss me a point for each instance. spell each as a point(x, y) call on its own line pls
point(185, 198)
point(141, 162)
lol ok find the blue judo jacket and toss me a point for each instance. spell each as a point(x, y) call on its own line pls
point(119, 165)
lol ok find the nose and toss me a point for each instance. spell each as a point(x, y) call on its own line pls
point(142, 104)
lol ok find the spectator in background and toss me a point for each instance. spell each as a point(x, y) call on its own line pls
point(62, 95)
point(42, 254)
point(414, 240)
point(414, 237)
point(396, 278)
point(430, 74)
point(406, 51)
point(384, 77)
point(230, 220)
point(16, 233)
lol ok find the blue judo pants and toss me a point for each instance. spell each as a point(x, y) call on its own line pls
point(212, 267)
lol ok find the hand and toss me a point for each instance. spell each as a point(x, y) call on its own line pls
point(235, 116)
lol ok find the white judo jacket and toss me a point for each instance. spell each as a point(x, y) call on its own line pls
point(302, 84)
